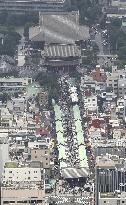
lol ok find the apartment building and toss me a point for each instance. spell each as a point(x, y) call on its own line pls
point(22, 183)
point(28, 195)
point(121, 87)
point(115, 81)
point(98, 74)
point(12, 85)
point(17, 104)
point(118, 3)
point(44, 5)
point(90, 103)
point(43, 98)
point(21, 174)
point(110, 180)
point(120, 108)
point(41, 155)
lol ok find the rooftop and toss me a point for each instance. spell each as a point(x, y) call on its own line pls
point(11, 165)
point(62, 50)
point(63, 28)
point(113, 195)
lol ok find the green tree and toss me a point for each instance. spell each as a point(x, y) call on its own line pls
point(50, 82)
point(8, 19)
point(90, 10)
point(10, 41)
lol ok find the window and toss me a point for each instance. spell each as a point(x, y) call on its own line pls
point(35, 156)
point(10, 171)
point(28, 177)
point(104, 202)
point(35, 151)
point(118, 202)
point(45, 152)
point(46, 158)
point(46, 163)
point(123, 202)
point(93, 100)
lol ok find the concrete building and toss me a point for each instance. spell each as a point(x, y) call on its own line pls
point(120, 108)
point(88, 86)
point(13, 85)
point(19, 174)
point(22, 183)
point(41, 155)
point(16, 105)
point(118, 3)
point(90, 103)
point(115, 81)
point(43, 6)
point(110, 179)
point(112, 198)
point(121, 87)
point(29, 195)
point(4, 151)
point(43, 98)
point(5, 118)
point(98, 74)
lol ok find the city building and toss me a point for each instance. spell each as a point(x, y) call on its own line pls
point(43, 98)
point(90, 103)
point(110, 180)
point(42, 155)
point(20, 174)
point(44, 6)
point(4, 152)
point(22, 183)
point(115, 80)
point(30, 194)
point(98, 74)
point(121, 87)
point(13, 85)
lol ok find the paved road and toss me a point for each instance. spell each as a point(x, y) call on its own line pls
point(21, 52)
point(104, 57)
point(98, 39)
